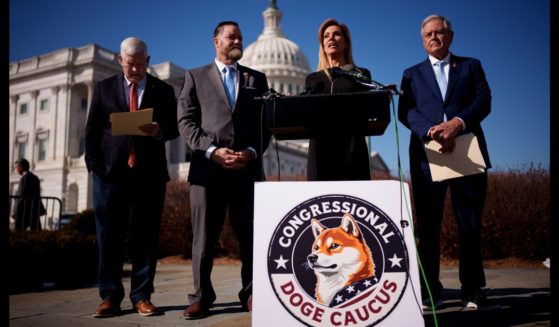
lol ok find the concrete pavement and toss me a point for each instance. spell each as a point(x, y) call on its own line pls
point(518, 297)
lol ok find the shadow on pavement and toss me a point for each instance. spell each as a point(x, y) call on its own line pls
point(505, 307)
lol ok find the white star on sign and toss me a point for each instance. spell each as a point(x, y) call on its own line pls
point(395, 261)
point(350, 289)
point(367, 283)
point(339, 298)
point(281, 262)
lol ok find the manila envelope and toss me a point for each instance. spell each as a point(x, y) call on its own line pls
point(466, 159)
point(128, 123)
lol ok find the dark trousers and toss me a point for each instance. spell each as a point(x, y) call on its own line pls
point(131, 207)
point(468, 197)
point(233, 193)
point(28, 214)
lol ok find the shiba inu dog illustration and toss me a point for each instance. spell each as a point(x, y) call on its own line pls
point(340, 257)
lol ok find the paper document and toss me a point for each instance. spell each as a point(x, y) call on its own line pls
point(128, 123)
point(466, 159)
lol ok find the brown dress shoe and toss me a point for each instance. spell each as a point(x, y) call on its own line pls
point(146, 308)
point(195, 311)
point(107, 309)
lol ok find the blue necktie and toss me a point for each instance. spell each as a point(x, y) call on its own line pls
point(441, 77)
point(230, 84)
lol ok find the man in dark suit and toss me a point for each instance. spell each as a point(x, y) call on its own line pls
point(444, 97)
point(28, 207)
point(221, 122)
point(129, 177)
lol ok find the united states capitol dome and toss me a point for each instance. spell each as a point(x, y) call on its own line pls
point(283, 62)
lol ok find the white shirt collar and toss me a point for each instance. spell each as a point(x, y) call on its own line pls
point(141, 85)
point(221, 65)
point(435, 60)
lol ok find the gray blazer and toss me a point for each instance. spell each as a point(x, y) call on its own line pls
point(205, 118)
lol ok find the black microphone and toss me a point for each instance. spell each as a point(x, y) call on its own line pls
point(347, 70)
point(316, 86)
point(350, 71)
point(357, 77)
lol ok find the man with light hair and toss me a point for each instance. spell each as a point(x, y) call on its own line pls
point(133, 45)
point(444, 97)
point(129, 177)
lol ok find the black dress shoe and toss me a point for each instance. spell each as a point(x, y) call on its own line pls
point(246, 300)
point(474, 299)
point(107, 309)
point(195, 311)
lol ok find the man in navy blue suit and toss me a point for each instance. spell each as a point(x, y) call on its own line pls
point(444, 97)
point(129, 177)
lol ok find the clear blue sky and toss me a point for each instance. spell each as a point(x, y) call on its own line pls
point(510, 37)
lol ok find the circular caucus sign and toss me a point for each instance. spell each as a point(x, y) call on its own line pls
point(337, 260)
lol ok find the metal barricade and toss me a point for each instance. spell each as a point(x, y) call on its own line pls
point(34, 213)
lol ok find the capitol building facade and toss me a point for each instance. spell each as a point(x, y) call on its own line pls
point(50, 95)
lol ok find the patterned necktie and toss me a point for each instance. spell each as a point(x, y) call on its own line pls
point(441, 77)
point(133, 107)
point(230, 84)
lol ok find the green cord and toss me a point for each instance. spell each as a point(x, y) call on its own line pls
point(400, 174)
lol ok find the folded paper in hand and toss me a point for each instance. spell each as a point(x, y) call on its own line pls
point(128, 123)
point(466, 159)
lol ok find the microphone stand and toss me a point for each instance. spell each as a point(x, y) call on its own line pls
point(270, 95)
point(376, 86)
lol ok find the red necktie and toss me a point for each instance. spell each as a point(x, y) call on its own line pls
point(133, 107)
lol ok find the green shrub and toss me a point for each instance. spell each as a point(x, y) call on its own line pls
point(83, 222)
point(176, 226)
point(65, 257)
point(175, 237)
point(516, 218)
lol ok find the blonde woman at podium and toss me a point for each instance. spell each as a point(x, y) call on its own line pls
point(332, 157)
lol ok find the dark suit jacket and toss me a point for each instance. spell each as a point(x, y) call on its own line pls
point(205, 118)
point(29, 185)
point(421, 106)
point(28, 210)
point(107, 155)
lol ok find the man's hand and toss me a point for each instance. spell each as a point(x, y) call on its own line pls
point(245, 156)
point(445, 134)
point(151, 129)
point(447, 130)
point(447, 146)
point(230, 159)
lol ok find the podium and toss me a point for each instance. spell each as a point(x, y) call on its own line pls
point(343, 114)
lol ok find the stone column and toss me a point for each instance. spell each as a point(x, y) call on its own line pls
point(54, 97)
point(89, 86)
point(33, 137)
point(62, 114)
point(63, 127)
point(13, 126)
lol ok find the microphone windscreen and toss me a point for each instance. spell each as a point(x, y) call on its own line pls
point(348, 67)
